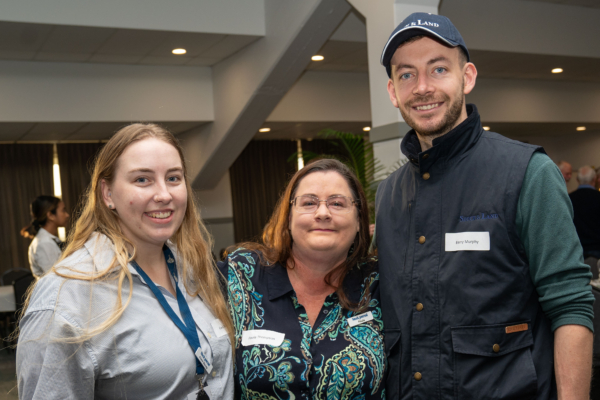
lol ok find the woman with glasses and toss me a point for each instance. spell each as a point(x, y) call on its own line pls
point(305, 303)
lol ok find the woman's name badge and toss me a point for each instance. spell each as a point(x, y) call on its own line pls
point(219, 328)
point(262, 336)
point(204, 361)
point(359, 319)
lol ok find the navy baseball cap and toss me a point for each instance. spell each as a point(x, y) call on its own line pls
point(435, 26)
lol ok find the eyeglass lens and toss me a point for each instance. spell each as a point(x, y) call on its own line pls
point(336, 204)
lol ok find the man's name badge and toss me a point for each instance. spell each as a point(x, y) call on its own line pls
point(468, 241)
point(204, 361)
point(262, 336)
point(219, 328)
point(361, 318)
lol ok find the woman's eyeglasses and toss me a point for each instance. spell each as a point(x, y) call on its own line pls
point(337, 204)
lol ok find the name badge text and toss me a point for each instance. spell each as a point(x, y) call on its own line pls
point(262, 336)
point(359, 319)
point(468, 241)
point(219, 328)
point(204, 361)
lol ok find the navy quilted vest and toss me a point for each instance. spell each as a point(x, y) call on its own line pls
point(455, 321)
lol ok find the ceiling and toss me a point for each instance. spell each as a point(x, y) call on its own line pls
point(578, 3)
point(531, 129)
point(307, 130)
point(62, 43)
point(517, 130)
point(76, 131)
point(497, 64)
point(96, 131)
point(346, 51)
point(342, 56)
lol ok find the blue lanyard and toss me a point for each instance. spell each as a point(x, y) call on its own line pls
point(188, 328)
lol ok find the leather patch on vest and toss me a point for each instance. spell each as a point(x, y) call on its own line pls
point(517, 328)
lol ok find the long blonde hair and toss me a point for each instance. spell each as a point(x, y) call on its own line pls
point(193, 242)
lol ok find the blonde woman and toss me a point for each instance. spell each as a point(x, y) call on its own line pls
point(133, 309)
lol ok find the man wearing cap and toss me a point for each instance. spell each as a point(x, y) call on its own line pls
point(484, 291)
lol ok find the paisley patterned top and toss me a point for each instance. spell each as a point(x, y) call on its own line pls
point(330, 360)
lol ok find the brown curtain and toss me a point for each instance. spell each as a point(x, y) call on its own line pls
point(76, 163)
point(25, 173)
point(258, 177)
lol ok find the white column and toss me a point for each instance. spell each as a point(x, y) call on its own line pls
point(216, 209)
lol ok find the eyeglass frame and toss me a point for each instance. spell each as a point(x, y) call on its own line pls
point(352, 202)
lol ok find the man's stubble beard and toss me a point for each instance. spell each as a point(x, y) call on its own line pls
point(447, 123)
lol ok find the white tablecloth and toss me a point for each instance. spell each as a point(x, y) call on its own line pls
point(7, 299)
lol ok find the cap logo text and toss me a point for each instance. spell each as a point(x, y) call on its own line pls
point(423, 23)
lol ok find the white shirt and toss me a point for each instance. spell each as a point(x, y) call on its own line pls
point(43, 252)
point(142, 356)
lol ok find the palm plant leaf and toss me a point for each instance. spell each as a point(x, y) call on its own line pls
point(358, 156)
point(361, 160)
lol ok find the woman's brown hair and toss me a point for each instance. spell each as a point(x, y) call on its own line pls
point(277, 241)
point(193, 242)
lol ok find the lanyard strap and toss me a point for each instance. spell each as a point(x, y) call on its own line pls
point(188, 327)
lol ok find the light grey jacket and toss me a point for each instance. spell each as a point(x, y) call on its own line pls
point(142, 356)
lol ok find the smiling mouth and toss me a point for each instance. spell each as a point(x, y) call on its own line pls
point(160, 215)
point(428, 107)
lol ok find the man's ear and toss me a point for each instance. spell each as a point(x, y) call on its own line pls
point(470, 77)
point(392, 92)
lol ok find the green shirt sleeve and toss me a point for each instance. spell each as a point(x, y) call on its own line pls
point(544, 223)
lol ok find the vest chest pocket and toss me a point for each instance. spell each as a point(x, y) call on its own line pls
point(490, 363)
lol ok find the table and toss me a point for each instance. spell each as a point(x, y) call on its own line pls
point(7, 299)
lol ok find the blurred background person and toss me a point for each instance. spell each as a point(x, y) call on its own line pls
point(310, 293)
point(586, 209)
point(566, 169)
point(48, 214)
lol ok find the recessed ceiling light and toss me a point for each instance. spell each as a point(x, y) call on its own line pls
point(557, 70)
point(179, 51)
point(317, 58)
point(581, 128)
point(367, 128)
point(264, 130)
point(486, 128)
